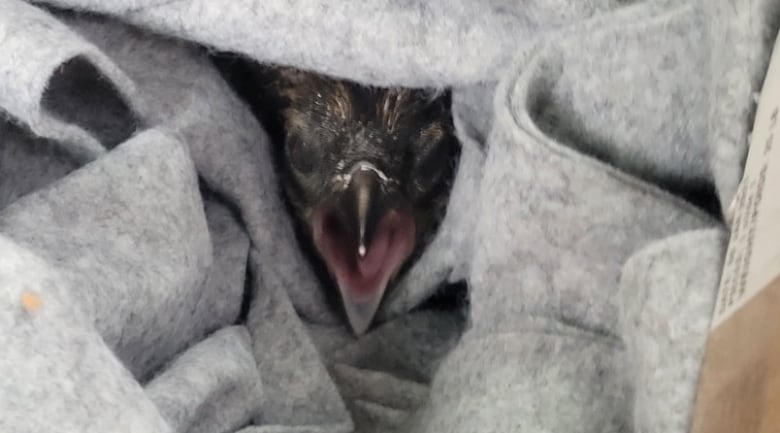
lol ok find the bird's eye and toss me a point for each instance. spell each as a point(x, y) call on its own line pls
point(302, 154)
point(433, 165)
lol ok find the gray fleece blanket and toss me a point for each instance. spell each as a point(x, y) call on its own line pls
point(150, 280)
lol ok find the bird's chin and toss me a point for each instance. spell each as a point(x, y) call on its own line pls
point(363, 280)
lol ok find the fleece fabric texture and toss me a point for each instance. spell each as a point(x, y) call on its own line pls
point(150, 280)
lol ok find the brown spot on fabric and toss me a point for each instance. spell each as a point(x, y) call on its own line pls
point(31, 302)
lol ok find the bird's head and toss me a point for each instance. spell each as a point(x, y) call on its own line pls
point(367, 172)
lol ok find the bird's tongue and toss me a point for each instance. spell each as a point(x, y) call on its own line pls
point(371, 263)
point(364, 277)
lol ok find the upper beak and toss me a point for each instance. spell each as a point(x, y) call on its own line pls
point(363, 204)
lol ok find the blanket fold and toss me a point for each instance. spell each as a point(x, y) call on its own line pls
point(212, 387)
point(666, 298)
point(26, 78)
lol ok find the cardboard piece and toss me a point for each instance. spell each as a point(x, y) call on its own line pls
point(739, 386)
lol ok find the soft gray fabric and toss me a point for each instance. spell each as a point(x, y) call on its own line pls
point(665, 316)
point(212, 387)
point(139, 216)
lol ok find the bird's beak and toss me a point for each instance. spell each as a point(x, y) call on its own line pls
point(364, 235)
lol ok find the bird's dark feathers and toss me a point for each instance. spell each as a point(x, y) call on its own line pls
point(319, 123)
point(321, 126)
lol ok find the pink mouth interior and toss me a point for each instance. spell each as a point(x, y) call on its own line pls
point(364, 277)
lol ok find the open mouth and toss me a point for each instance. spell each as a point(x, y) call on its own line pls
point(362, 272)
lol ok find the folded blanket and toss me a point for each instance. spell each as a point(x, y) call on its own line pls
point(151, 281)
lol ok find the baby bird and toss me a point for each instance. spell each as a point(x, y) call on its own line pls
point(366, 173)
